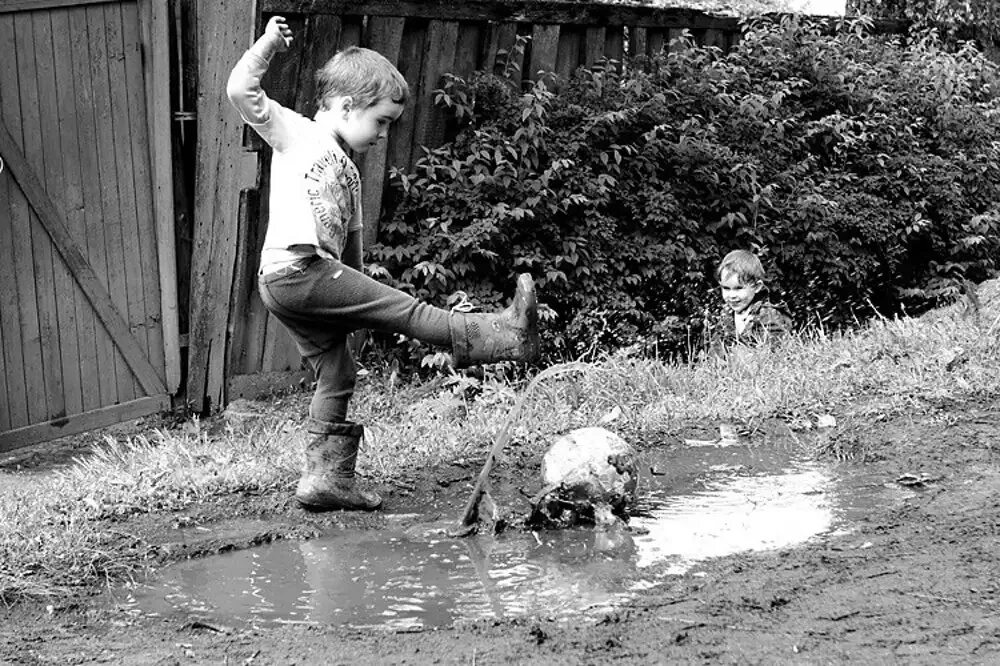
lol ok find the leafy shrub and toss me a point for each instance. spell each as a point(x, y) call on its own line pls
point(865, 171)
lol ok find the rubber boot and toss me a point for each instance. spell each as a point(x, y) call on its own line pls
point(511, 335)
point(327, 480)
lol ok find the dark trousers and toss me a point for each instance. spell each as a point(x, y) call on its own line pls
point(321, 301)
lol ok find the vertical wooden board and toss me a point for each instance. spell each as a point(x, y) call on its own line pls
point(500, 55)
point(244, 273)
point(79, 359)
point(716, 38)
point(16, 346)
point(638, 44)
point(63, 319)
point(468, 49)
point(41, 244)
point(155, 22)
point(5, 420)
point(138, 130)
point(321, 36)
point(256, 320)
point(594, 45)
point(385, 35)
point(126, 163)
point(223, 36)
point(656, 41)
point(614, 44)
point(429, 120)
point(569, 55)
point(698, 34)
point(411, 61)
point(672, 34)
point(544, 50)
point(111, 217)
point(14, 410)
point(94, 221)
point(351, 32)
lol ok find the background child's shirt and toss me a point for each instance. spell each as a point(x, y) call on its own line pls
point(315, 195)
point(763, 322)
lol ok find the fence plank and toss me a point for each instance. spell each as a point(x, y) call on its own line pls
point(656, 42)
point(353, 30)
point(45, 306)
point(411, 62)
point(256, 326)
point(614, 44)
point(158, 112)
point(111, 216)
point(544, 50)
point(79, 352)
point(638, 41)
point(429, 119)
point(568, 58)
point(95, 246)
point(125, 163)
point(594, 49)
point(385, 35)
point(13, 410)
point(16, 346)
point(223, 36)
point(244, 280)
point(4, 402)
point(500, 51)
point(468, 49)
point(321, 36)
point(146, 257)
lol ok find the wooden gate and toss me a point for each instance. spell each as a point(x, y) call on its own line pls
point(88, 321)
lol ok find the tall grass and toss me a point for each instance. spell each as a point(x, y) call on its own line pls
point(65, 530)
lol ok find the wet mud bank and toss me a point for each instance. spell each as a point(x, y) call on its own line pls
point(913, 580)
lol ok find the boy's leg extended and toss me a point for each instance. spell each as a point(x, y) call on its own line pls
point(334, 299)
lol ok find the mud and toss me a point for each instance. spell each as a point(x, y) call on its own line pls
point(914, 582)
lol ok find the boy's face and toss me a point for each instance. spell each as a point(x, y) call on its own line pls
point(362, 128)
point(737, 294)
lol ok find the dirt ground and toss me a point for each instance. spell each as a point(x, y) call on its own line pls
point(915, 583)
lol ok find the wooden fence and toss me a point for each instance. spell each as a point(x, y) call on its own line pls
point(88, 333)
point(98, 160)
point(235, 347)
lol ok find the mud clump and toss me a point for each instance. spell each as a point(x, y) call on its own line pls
point(589, 477)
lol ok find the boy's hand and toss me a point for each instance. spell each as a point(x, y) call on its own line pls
point(278, 27)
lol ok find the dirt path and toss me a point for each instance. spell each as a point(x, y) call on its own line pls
point(918, 583)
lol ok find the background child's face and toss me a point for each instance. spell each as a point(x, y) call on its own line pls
point(737, 294)
point(362, 128)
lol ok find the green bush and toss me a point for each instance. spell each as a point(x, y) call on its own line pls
point(865, 171)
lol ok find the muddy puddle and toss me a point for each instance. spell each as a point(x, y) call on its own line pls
point(702, 501)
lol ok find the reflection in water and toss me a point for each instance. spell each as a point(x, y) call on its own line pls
point(708, 502)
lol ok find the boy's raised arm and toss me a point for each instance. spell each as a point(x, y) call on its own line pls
point(243, 88)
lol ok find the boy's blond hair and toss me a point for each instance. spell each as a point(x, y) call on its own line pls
point(744, 264)
point(362, 74)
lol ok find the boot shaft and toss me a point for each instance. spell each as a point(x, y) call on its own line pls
point(511, 335)
point(333, 449)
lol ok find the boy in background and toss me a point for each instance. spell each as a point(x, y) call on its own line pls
point(747, 315)
point(311, 277)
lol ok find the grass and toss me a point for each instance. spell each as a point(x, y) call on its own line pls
point(64, 532)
